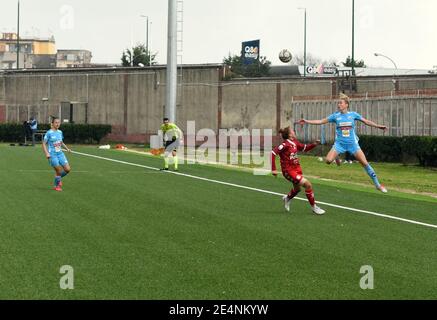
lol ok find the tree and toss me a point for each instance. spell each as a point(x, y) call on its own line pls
point(356, 64)
point(138, 56)
point(239, 69)
point(312, 60)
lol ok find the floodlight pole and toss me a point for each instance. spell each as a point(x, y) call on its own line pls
point(147, 37)
point(18, 36)
point(353, 37)
point(305, 43)
point(171, 87)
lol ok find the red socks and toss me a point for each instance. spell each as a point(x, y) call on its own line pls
point(310, 196)
point(293, 193)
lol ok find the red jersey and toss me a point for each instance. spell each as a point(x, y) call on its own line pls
point(287, 152)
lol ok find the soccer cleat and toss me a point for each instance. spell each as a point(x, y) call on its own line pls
point(382, 189)
point(287, 202)
point(58, 188)
point(164, 169)
point(318, 211)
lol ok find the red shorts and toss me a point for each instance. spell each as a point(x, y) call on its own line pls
point(293, 175)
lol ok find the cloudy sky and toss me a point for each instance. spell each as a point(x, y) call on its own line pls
point(404, 30)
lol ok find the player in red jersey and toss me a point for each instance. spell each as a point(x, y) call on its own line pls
point(291, 169)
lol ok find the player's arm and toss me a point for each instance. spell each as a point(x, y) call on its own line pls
point(315, 122)
point(164, 131)
point(274, 153)
point(373, 124)
point(273, 163)
point(65, 147)
point(179, 135)
point(176, 132)
point(307, 147)
point(44, 147)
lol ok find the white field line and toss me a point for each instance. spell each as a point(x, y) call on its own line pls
point(260, 190)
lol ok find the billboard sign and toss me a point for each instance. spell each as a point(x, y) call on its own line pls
point(250, 51)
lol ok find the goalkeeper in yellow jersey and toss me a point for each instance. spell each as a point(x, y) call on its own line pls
point(172, 138)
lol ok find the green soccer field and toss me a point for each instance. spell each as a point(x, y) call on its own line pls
point(131, 232)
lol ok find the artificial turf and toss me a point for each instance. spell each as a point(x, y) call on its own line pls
point(135, 233)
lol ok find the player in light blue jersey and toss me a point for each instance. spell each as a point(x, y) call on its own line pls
point(52, 146)
point(346, 138)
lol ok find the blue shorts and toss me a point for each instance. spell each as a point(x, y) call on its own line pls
point(58, 159)
point(352, 148)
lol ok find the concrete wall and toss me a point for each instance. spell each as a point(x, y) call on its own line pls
point(2, 90)
point(375, 85)
point(2, 100)
point(249, 106)
point(418, 84)
point(258, 104)
point(133, 100)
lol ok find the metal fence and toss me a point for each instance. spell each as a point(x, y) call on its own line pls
point(404, 116)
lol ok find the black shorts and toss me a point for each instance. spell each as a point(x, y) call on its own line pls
point(171, 146)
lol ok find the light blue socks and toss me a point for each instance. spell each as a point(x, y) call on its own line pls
point(372, 175)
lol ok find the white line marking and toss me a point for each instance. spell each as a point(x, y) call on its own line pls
point(260, 190)
point(76, 171)
point(42, 171)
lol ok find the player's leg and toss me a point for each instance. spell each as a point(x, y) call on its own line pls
point(65, 165)
point(63, 162)
point(54, 163)
point(333, 156)
point(171, 149)
point(57, 183)
point(175, 146)
point(293, 193)
point(361, 158)
point(167, 153)
point(310, 196)
point(175, 160)
point(67, 170)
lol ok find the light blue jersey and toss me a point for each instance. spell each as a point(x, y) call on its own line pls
point(346, 140)
point(345, 126)
point(54, 141)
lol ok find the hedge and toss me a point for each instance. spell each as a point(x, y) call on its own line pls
point(401, 149)
point(73, 133)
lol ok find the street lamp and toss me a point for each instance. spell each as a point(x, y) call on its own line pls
point(305, 43)
point(381, 55)
point(147, 36)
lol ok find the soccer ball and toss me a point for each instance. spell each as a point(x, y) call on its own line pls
point(285, 56)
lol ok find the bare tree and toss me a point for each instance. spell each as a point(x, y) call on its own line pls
point(312, 60)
